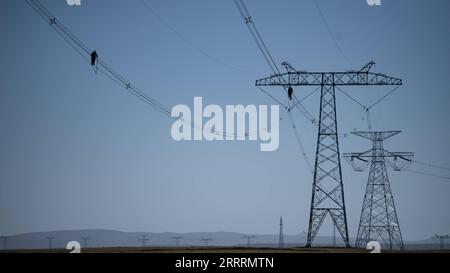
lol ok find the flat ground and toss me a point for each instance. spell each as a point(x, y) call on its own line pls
point(221, 250)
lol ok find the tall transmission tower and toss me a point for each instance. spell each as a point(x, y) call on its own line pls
point(177, 240)
point(85, 240)
point(144, 239)
point(281, 235)
point(328, 188)
point(441, 239)
point(50, 241)
point(248, 237)
point(206, 240)
point(379, 219)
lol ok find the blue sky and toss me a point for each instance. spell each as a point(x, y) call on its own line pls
point(79, 152)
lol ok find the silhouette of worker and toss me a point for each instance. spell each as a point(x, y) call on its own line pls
point(290, 92)
point(94, 57)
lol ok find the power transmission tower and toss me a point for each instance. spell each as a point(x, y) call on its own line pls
point(50, 241)
point(177, 240)
point(281, 236)
point(206, 240)
point(85, 240)
point(379, 221)
point(328, 188)
point(144, 239)
point(441, 239)
point(248, 237)
point(5, 242)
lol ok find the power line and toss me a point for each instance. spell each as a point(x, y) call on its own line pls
point(186, 40)
point(256, 35)
point(429, 174)
point(240, 5)
point(327, 26)
point(272, 97)
point(307, 96)
point(431, 165)
point(265, 51)
point(302, 110)
point(300, 144)
point(385, 96)
point(108, 71)
point(352, 98)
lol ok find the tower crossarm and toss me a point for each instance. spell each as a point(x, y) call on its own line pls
point(399, 161)
point(376, 136)
point(359, 161)
point(365, 156)
point(407, 156)
point(304, 78)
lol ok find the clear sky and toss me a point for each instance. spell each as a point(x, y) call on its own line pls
point(79, 152)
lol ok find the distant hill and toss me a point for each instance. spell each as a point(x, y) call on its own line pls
point(112, 238)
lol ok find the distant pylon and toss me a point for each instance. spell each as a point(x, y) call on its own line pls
point(50, 241)
point(5, 242)
point(379, 221)
point(248, 237)
point(281, 236)
point(206, 240)
point(144, 239)
point(441, 239)
point(177, 240)
point(85, 240)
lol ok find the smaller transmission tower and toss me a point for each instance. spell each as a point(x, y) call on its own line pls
point(206, 240)
point(177, 240)
point(50, 241)
point(85, 240)
point(281, 236)
point(5, 242)
point(441, 239)
point(379, 220)
point(248, 237)
point(144, 239)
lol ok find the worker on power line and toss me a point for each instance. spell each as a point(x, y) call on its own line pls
point(94, 57)
point(290, 92)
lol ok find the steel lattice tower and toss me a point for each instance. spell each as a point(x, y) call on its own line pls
point(281, 235)
point(441, 239)
point(379, 221)
point(328, 188)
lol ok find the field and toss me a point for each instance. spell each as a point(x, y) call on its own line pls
point(237, 250)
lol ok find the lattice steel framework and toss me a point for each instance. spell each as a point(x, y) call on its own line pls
point(281, 235)
point(328, 189)
point(379, 221)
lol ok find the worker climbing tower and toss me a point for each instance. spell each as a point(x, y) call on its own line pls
point(379, 221)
